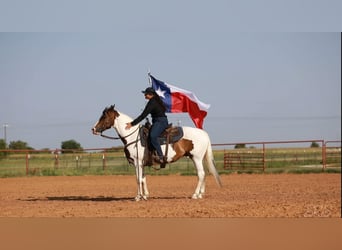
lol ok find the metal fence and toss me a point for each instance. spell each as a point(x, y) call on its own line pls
point(281, 154)
point(246, 156)
point(31, 162)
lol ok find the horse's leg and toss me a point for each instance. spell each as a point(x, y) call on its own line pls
point(200, 189)
point(139, 175)
point(145, 190)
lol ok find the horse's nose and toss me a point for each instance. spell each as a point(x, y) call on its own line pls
point(93, 130)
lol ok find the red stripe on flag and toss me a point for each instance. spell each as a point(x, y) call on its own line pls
point(181, 103)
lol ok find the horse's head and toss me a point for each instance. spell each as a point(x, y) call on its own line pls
point(106, 120)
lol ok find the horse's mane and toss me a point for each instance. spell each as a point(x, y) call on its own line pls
point(123, 116)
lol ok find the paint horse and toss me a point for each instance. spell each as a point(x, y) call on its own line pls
point(194, 144)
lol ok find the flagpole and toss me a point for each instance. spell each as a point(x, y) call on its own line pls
point(149, 78)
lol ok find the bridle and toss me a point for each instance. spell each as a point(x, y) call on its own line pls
point(123, 137)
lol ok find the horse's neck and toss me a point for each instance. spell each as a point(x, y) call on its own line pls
point(120, 124)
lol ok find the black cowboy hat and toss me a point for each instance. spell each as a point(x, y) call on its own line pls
point(149, 90)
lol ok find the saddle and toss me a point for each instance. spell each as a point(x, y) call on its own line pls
point(170, 135)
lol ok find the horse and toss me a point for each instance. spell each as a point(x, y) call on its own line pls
point(194, 144)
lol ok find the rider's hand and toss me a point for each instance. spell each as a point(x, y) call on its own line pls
point(128, 125)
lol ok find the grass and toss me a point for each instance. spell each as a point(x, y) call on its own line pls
point(240, 161)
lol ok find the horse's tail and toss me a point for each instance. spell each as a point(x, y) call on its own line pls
point(209, 157)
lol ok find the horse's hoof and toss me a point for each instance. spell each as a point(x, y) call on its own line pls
point(197, 196)
point(145, 197)
point(137, 198)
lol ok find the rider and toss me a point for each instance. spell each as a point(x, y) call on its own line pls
point(156, 108)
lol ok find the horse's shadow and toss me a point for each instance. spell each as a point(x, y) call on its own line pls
point(87, 198)
point(96, 199)
point(79, 198)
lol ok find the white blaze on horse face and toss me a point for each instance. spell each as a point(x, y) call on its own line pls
point(94, 129)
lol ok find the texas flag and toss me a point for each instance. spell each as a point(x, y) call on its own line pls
point(179, 100)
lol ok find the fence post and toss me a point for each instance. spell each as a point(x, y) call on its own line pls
point(263, 157)
point(324, 156)
point(56, 159)
point(104, 161)
point(27, 162)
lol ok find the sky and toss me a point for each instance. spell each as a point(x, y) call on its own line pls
point(263, 83)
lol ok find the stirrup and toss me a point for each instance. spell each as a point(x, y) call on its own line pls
point(163, 162)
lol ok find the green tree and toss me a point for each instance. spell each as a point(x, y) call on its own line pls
point(314, 145)
point(19, 145)
point(241, 145)
point(2, 146)
point(71, 146)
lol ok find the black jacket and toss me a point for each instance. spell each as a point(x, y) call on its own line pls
point(153, 108)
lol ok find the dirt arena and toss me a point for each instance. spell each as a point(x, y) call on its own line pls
point(242, 195)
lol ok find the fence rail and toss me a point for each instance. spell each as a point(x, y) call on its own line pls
point(244, 160)
point(266, 155)
point(332, 152)
point(259, 156)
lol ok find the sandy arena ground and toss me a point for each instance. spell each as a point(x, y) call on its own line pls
point(242, 195)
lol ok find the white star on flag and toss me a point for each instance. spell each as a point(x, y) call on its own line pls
point(160, 92)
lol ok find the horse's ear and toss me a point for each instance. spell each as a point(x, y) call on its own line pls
point(112, 106)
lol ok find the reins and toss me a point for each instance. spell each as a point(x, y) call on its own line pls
point(120, 137)
point(110, 137)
